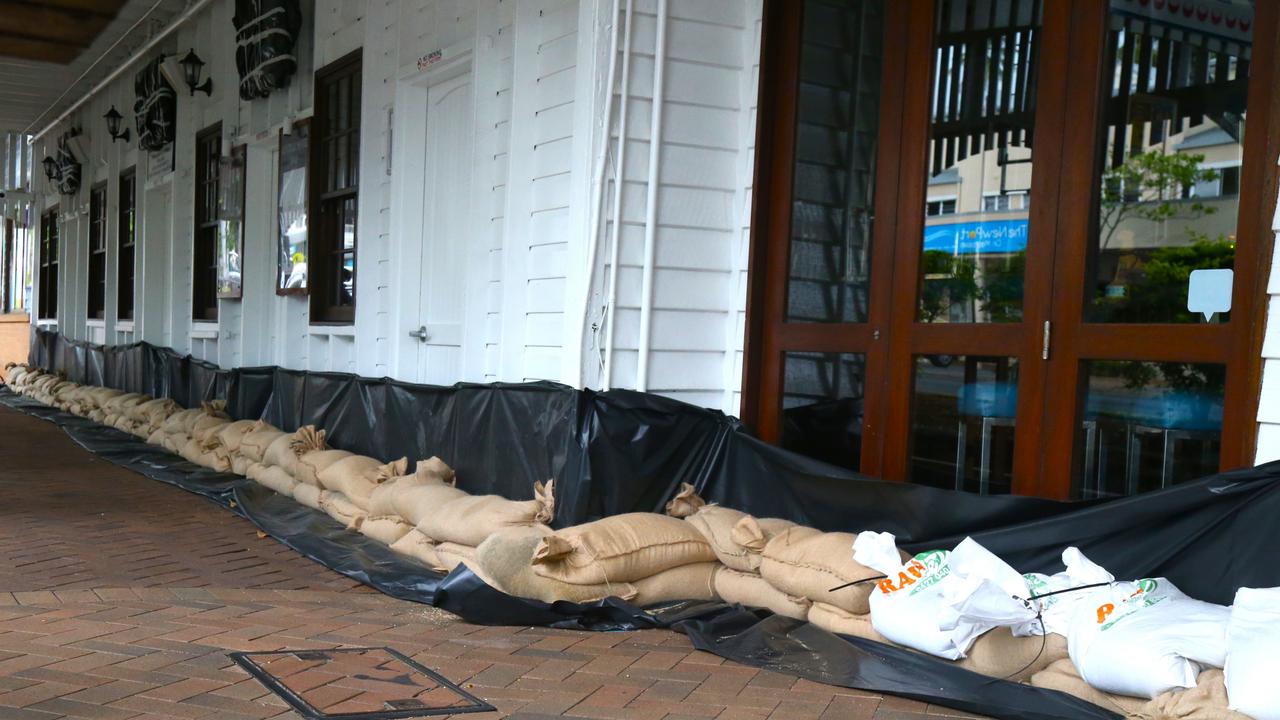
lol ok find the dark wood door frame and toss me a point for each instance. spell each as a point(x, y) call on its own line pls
point(1067, 111)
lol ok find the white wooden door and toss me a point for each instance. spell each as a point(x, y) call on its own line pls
point(448, 229)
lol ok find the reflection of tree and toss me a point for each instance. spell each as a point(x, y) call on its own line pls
point(1147, 186)
point(1002, 288)
point(948, 280)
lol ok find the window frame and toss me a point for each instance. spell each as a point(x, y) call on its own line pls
point(204, 236)
point(49, 265)
point(96, 297)
point(326, 251)
point(127, 243)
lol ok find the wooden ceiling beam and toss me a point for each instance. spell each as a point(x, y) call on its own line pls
point(51, 24)
point(39, 50)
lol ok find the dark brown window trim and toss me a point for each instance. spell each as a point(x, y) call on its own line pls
point(330, 198)
point(49, 262)
point(127, 234)
point(204, 251)
point(97, 290)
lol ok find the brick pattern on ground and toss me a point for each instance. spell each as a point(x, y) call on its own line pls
point(120, 598)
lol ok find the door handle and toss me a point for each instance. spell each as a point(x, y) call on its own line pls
point(420, 334)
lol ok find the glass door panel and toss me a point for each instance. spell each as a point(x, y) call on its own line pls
point(822, 406)
point(1171, 144)
point(836, 139)
point(963, 433)
point(1148, 425)
point(978, 194)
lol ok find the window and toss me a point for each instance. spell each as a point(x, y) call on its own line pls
point(49, 265)
point(934, 208)
point(204, 261)
point(336, 163)
point(995, 203)
point(98, 251)
point(128, 235)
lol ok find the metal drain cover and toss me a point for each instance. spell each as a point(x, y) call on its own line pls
point(357, 684)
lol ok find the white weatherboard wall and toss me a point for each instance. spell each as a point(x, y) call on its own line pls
point(1269, 401)
point(539, 76)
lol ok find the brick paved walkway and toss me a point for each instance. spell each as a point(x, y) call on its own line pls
point(120, 597)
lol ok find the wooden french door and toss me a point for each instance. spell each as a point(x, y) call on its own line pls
point(937, 292)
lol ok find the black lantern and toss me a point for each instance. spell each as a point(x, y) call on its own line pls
point(50, 168)
point(191, 65)
point(113, 118)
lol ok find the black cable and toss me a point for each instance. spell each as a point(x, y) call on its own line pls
point(1044, 634)
point(858, 582)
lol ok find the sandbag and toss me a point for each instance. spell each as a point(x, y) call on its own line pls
point(417, 546)
point(284, 451)
point(1146, 637)
point(240, 464)
point(1001, 655)
point(311, 463)
point(177, 423)
point(415, 497)
point(340, 508)
point(753, 534)
point(275, 478)
point(175, 442)
point(503, 561)
point(255, 442)
point(305, 494)
point(621, 548)
point(751, 590)
point(386, 529)
point(1253, 653)
point(209, 412)
point(833, 619)
point(209, 425)
point(470, 519)
point(357, 476)
point(809, 563)
point(695, 581)
point(685, 503)
point(1062, 676)
point(231, 434)
point(716, 524)
point(451, 555)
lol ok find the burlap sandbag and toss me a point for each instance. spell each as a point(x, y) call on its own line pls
point(209, 425)
point(503, 561)
point(175, 423)
point(386, 529)
point(833, 619)
point(753, 534)
point(233, 433)
point(305, 494)
point(621, 548)
point(204, 415)
point(255, 443)
point(451, 555)
point(417, 546)
point(716, 524)
point(999, 654)
point(751, 590)
point(340, 508)
point(240, 464)
point(311, 463)
point(415, 497)
point(213, 455)
point(358, 476)
point(470, 519)
point(695, 581)
point(275, 478)
point(808, 563)
point(154, 412)
point(1061, 675)
point(175, 442)
point(284, 451)
point(157, 437)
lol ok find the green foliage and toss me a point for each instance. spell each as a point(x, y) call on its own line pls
point(1149, 185)
point(948, 280)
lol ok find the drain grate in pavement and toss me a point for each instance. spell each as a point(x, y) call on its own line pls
point(357, 684)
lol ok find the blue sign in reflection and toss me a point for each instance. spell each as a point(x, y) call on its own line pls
point(973, 238)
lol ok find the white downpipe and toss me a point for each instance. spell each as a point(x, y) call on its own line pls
point(597, 200)
point(120, 68)
point(620, 167)
point(651, 199)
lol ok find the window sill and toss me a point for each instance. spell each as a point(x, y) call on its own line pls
point(124, 325)
point(95, 323)
point(46, 323)
point(204, 331)
point(340, 329)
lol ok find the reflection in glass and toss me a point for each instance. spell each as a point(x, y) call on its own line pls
point(977, 197)
point(1171, 145)
point(292, 245)
point(837, 127)
point(962, 414)
point(822, 406)
point(1148, 425)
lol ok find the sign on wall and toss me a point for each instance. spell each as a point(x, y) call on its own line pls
point(231, 222)
point(291, 252)
point(973, 238)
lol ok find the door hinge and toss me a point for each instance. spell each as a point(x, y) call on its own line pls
point(1044, 347)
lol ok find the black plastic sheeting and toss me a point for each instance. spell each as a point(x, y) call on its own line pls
point(622, 451)
point(754, 638)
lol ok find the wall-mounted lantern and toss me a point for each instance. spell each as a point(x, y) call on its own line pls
point(191, 66)
point(113, 118)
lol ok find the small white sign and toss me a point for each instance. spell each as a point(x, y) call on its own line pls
point(430, 59)
point(1209, 292)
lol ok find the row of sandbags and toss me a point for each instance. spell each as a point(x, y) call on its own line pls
point(696, 551)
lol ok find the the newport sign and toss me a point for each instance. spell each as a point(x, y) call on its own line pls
point(975, 238)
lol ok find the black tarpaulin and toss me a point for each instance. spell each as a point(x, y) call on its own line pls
point(753, 638)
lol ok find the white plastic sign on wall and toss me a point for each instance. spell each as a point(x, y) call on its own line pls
point(1209, 292)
